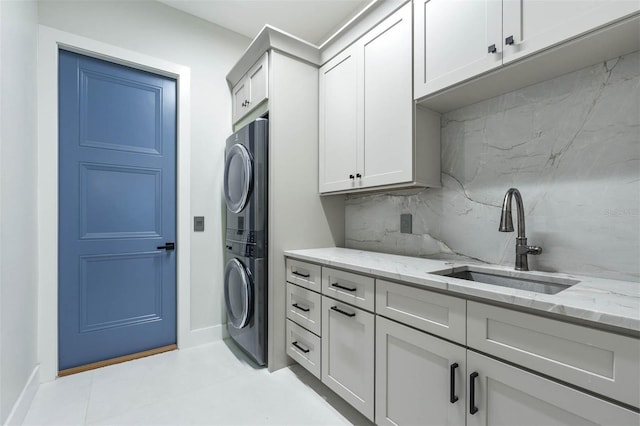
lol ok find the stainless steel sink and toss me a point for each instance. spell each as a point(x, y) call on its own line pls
point(511, 279)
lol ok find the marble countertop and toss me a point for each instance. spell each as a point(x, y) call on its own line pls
point(603, 301)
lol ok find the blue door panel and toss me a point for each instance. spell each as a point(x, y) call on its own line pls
point(134, 110)
point(107, 193)
point(117, 140)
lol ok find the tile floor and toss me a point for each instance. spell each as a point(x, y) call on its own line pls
point(209, 385)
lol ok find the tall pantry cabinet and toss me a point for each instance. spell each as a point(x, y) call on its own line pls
point(297, 216)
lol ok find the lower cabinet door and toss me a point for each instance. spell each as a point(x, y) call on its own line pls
point(500, 394)
point(348, 353)
point(420, 379)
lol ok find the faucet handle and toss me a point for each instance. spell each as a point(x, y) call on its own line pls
point(534, 249)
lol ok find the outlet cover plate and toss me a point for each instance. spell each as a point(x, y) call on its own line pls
point(406, 223)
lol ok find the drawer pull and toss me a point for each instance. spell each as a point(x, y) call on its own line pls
point(302, 308)
point(297, 345)
point(472, 393)
point(452, 386)
point(336, 285)
point(349, 314)
point(300, 274)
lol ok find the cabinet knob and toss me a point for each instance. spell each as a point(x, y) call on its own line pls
point(358, 175)
point(351, 177)
point(492, 48)
point(509, 40)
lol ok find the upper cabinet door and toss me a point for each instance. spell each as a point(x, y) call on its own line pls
point(338, 122)
point(538, 24)
point(386, 156)
point(454, 41)
point(258, 77)
point(251, 90)
point(240, 96)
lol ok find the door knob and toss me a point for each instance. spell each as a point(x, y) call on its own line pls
point(167, 246)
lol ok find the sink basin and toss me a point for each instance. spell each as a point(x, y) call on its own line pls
point(511, 279)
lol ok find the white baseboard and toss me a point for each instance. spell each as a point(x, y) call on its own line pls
point(202, 336)
point(21, 407)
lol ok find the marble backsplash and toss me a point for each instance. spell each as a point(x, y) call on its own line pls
point(571, 145)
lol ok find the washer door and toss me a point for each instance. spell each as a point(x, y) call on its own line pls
point(238, 293)
point(238, 175)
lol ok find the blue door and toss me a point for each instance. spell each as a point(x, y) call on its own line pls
point(117, 204)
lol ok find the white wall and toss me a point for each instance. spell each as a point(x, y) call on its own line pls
point(18, 172)
point(569, 144)
point(210, 51)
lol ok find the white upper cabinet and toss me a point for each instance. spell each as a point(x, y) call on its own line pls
point(252, 89)
point(367, 114)
point(339, 122)
point(387, 104)
point(456, 40)
point(538, 24)
point(453, 40)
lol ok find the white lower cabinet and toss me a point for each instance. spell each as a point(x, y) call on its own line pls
point(396, 367)
point(304, 347)
point(425, 380)
point(348, 353)
point(500, 394)
point(420, 379)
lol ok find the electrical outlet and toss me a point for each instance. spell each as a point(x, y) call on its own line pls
point(405, 223)
point(198, 223)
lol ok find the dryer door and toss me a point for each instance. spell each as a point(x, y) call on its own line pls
point(238, 293)
point(238, 176)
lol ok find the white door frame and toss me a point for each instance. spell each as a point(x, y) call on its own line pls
point(49, 42)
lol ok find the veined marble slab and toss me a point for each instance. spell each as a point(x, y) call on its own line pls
point(571, 145)
point(603, 301)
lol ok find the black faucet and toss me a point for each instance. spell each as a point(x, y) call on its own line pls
point(506, 225)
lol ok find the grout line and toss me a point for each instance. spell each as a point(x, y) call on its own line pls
point(86, 409)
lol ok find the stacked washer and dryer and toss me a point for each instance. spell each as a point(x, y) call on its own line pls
point(245, 274)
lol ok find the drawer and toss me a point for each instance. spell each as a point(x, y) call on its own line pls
point(350, 288)
point(304, 274)
point(303, 307)
point(435, 313)
point(605, 363)
point(304, 347)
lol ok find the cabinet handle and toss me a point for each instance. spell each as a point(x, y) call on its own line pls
point(351, 177)
point(349, 314)
point(452, 387)
point(305, 350)
point(492, 49)
point(299, 274)
point(509, 40)
point(358, 175)
point(302, 308)
point(343, 287)
point(472, 393)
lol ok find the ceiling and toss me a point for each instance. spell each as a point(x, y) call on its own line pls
point(311, 20)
